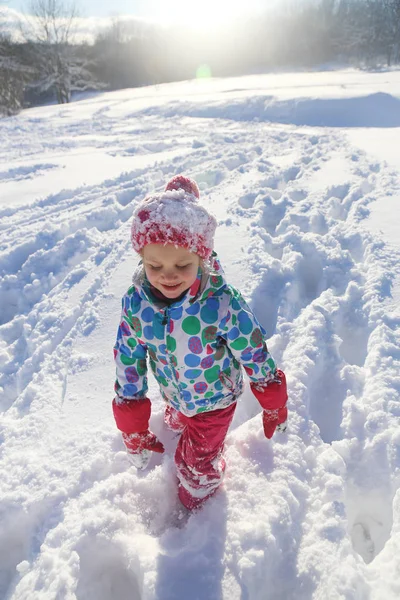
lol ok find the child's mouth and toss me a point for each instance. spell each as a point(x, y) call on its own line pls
point(171, 288)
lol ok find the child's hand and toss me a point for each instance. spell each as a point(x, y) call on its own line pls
point(273, 397)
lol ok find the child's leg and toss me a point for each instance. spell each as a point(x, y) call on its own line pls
point(198, 456)
point(174, 419)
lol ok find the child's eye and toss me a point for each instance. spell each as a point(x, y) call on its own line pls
point(183, 266)
point(154, 268)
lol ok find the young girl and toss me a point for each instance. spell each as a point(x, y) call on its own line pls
point(196, 331)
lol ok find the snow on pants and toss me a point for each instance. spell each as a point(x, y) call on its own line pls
point(198, 457)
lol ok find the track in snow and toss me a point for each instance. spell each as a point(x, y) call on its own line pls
point(291, 204)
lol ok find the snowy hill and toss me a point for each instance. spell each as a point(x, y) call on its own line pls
point(302, 172)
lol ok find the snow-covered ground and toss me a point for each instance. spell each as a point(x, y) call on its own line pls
point(302, 172)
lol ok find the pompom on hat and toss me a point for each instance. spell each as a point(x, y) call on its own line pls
point(175, 217)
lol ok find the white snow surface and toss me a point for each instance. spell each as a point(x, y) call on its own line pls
point(302, 173)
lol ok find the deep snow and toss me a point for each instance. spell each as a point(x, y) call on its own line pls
point(302, 173)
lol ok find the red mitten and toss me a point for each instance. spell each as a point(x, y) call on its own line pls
point(132, 418)
point(274, 419)
point(273, 397)
point(145, 440)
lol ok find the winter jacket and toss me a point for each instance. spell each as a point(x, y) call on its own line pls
point(195, 346)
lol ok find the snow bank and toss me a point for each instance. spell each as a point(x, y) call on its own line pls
point(311, 514)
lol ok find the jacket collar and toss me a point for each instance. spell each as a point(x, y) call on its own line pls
point(205, 285)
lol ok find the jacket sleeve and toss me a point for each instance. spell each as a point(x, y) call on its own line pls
point(130, 355)
point(245, 339)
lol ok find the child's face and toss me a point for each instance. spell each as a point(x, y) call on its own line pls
point(170, 269)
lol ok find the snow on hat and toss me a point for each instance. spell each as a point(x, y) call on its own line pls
point(175, 217)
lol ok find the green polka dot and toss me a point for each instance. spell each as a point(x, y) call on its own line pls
point(127, 361)
point(256, 338)
point(132, 343)
point(131, 289)
point(163, 381)
point(171, 344)
point(216, 280)
point(141, 366)
point(209, 334)
point(239, 344)
point(208, 394)
point(271, 364)
point(234, 319)
point(137, 327)
point(191, 325)
point(212, 374)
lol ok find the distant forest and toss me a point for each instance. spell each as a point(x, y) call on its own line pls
point(47, 64)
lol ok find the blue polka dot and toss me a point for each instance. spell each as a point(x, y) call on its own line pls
point(233, 333)
point(218, 385)
point(129, 390)
point(202, 402)
point(176, 313)
point(148, 332)
point(162, 348)
point(158, 327)
point(135, 303)
point(125, 350)
point(191, 360)
point(226, 364)
point(168, 372)
point(193, 309)
point(245, 323)
point(147, 315)
point(225, 320)
point(212, 304)
point(193, 373)
point(208, 315)
point(187, 396)
point(235, 304)
point(190, 406)
point(139, 352)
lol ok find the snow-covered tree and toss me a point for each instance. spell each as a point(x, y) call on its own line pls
point(61, 65)
point(14, 75)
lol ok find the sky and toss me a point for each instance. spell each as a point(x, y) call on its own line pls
point(167, 11)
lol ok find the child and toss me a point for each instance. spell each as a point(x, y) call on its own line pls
point(196, 331)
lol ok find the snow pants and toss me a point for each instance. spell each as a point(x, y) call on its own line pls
point(198, 457)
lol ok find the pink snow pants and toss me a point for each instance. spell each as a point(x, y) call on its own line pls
point(198, 457)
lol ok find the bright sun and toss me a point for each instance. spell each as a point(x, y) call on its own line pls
point(203, 13)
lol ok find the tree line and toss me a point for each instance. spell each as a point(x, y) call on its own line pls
point(48, 64)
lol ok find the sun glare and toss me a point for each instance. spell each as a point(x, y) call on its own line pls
point(202, 14)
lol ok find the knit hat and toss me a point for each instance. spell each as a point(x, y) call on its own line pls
point(175, 217)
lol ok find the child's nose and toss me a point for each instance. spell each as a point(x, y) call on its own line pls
point(170, 274)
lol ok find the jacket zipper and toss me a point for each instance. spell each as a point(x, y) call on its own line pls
point(165, 322)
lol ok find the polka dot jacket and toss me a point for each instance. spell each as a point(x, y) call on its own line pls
point(195, 347)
